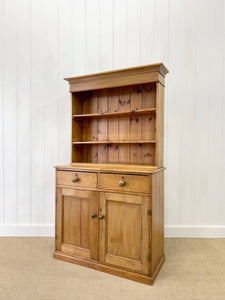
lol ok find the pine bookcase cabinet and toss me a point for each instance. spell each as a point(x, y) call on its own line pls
point(110, 199)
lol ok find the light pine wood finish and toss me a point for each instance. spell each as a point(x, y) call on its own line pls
point(138, 184)
point(143, 74)
point(84, 179)
point(76, 230)
point(110, 199)
point(124, 232)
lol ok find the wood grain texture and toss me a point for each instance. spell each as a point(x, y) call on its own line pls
point(157, 230)
point(76, 230)
point(139, 184)
point(109, 269)
point(84, 179)
point(123, 234)
point(162, 22)
point(108, 81)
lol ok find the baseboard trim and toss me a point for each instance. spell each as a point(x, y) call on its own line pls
point(170, 231)
point(27, 230)
point(195, 232)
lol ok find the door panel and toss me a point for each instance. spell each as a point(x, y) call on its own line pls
point(123, 237)
point(124, 231)
point(77, 232)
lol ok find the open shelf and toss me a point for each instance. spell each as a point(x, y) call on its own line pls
point(117, 114)
point(115, 125)
point(112, 142)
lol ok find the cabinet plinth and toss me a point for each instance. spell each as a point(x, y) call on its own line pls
point(110, 199)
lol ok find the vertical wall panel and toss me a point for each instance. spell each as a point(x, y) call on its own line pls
point(79, 37)
point(92, 37)
point(161, 31)
point(176, 49)
point(41, 42)
point(1, 112)
point(120, 34)
point(162, 55)
point(10, 107)
point(147, 31)
point(203, 72)
point(187, 111)
point(215, 90)
point(23, 110)
point(65, 68)
point(50, 95)
point(37, 113)
point(223, 129)
point(106, 23)
point(134, 32)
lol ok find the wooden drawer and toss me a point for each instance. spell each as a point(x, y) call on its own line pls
point(133, 183)
point(76, 179)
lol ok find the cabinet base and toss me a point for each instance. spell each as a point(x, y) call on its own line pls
point(109, 269)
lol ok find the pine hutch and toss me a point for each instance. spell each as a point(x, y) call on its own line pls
point(110, 199)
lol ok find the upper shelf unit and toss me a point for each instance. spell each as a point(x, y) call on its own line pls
point(117, 117)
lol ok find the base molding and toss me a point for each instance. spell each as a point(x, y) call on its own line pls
point(17, 230)
point(27, 230)
point(195, 232)
point(109, 269)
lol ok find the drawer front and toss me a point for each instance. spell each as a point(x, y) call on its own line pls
point(124, 183)
point(76, 179)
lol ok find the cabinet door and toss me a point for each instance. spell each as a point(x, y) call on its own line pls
point(77, 222)
point(124, 231)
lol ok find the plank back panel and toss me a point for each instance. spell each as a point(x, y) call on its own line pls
point(101, 126)
point(113, 125)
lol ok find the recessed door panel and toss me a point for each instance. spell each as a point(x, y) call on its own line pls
point(76, 228)
point(124, 234)
point(124, 231)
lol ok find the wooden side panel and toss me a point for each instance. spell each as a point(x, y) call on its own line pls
point(160, 125)
point(58, 219)
point(157, 218)
point(77, 103)
point(77, 130)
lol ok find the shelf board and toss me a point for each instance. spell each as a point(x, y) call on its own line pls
point(113, 142)
point(111, 167)
point(117, 114)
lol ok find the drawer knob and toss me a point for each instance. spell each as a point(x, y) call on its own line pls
point(93, 216)
point(75, 179)
point(122, 183)
point(101, 217)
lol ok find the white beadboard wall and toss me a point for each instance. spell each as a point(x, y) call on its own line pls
point(43, 41)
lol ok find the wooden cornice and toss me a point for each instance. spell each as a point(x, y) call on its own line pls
point(115, 78)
